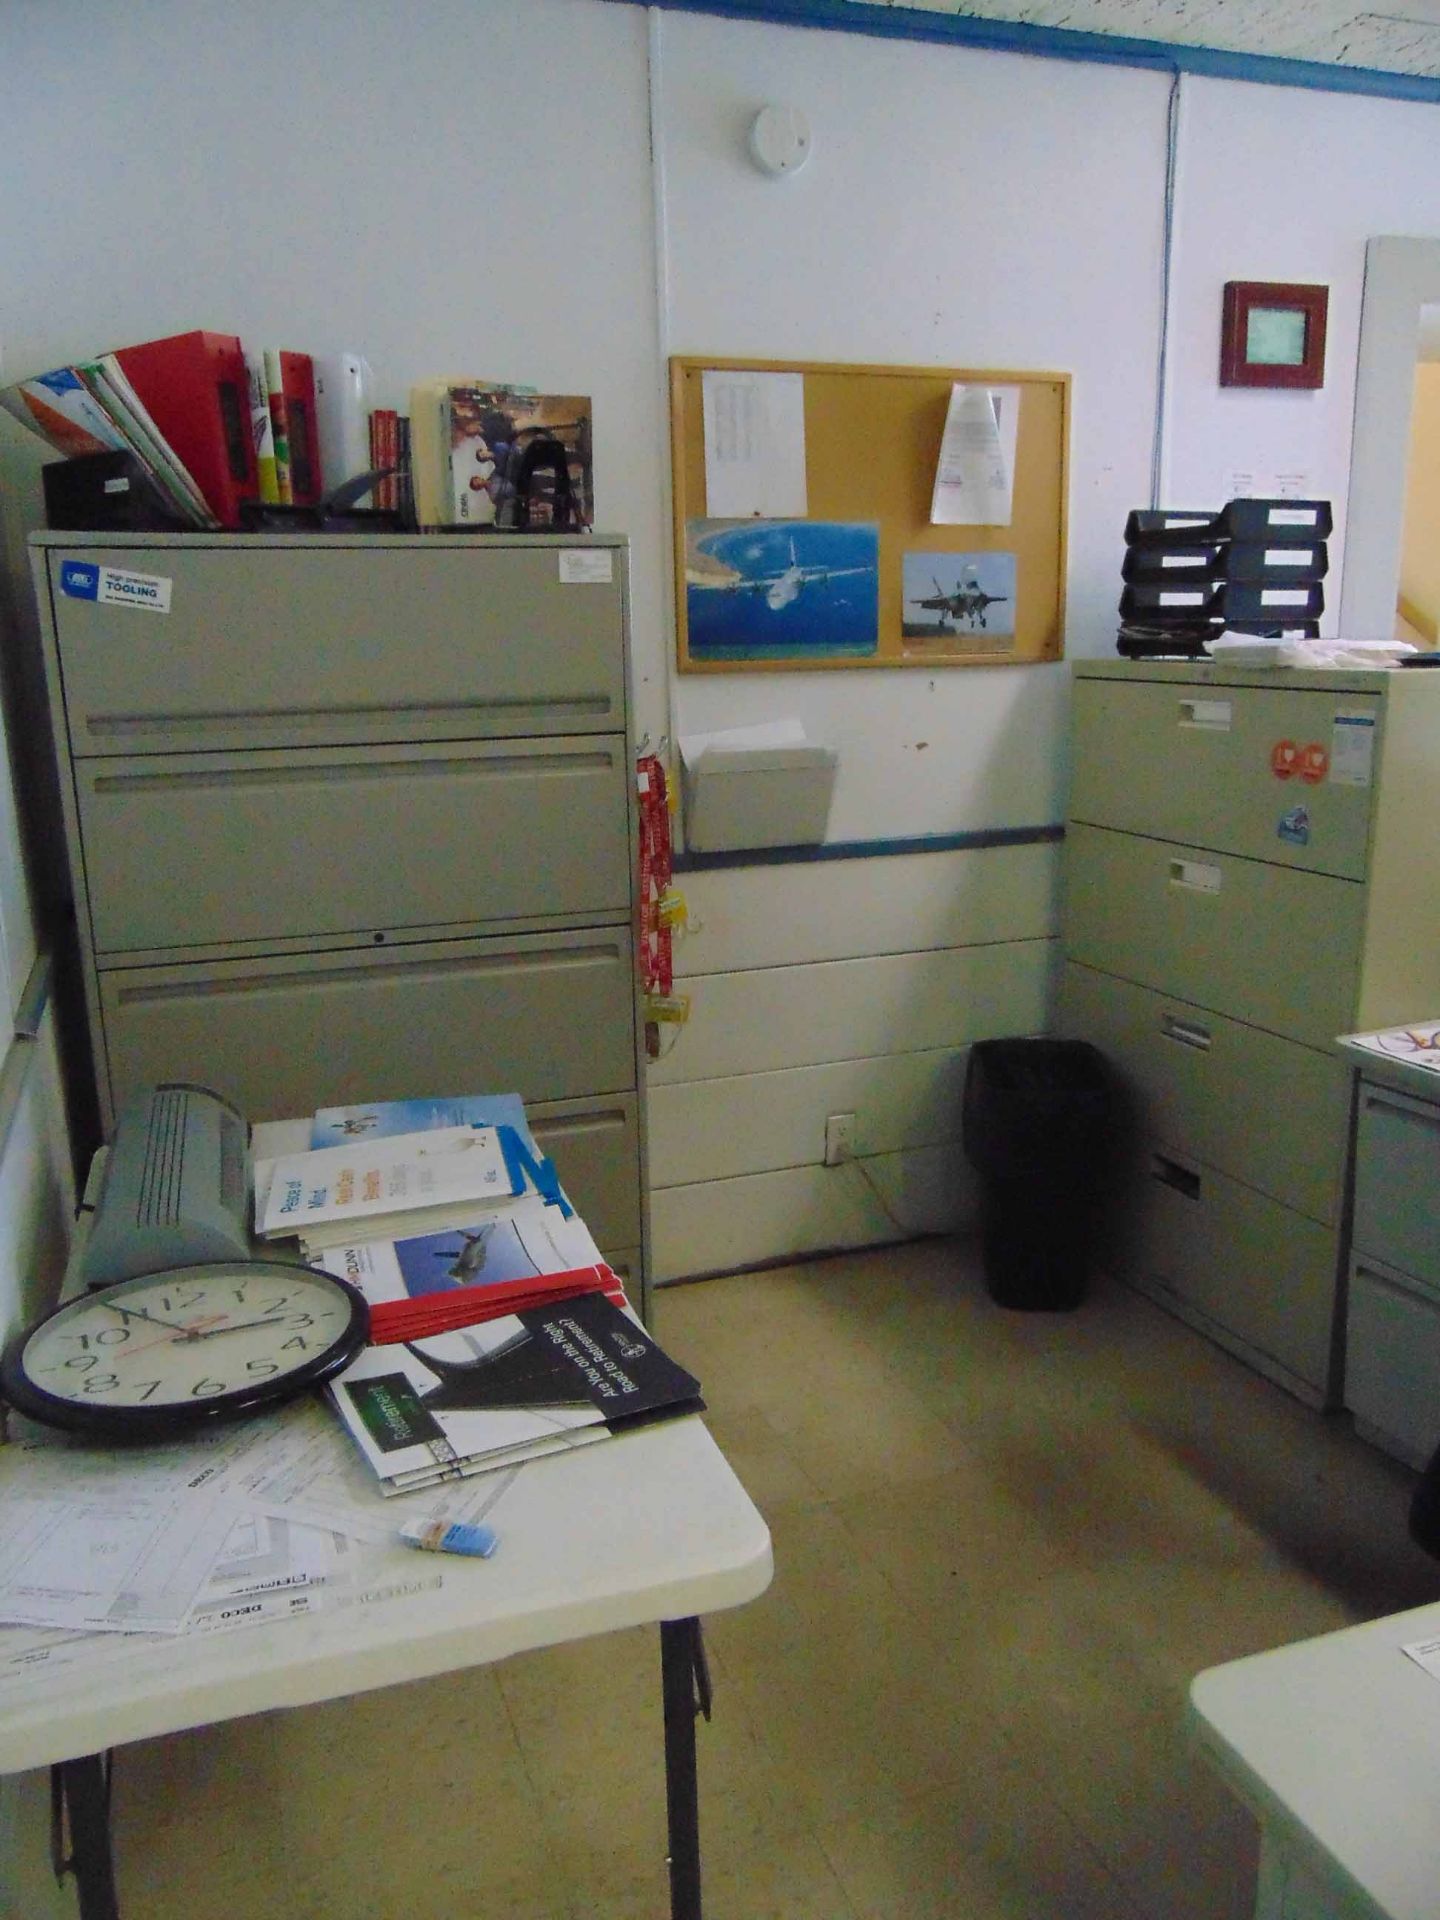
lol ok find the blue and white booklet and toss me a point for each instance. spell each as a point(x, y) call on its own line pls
point(378, 1119)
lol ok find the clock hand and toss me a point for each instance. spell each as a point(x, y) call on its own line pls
point(240, 1326)
point(139, 1313)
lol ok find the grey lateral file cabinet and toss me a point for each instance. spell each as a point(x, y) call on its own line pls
point(353, 818)
point(1392, 1342)
point(1252, 869)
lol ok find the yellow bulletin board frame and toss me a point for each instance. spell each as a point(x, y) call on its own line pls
point(872, 442)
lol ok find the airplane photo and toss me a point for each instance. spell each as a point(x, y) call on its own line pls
point(964, 592)
point(968, 603)
point(783, 588)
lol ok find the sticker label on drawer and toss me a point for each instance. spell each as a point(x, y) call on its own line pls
point(1182, 560)
point(1285, 596)
point(1294, 827)
point(1289, 556)
point(1292, 517)
point(1352, 749)
point(1284, 759)
point(1314, 762)
point(1198, 875)
point(582, 569)
point(114, 586)
point(1181, 599)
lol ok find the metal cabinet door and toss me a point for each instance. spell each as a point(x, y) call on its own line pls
point(207, 849)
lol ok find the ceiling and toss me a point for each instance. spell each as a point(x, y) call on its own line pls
point(1402, 38)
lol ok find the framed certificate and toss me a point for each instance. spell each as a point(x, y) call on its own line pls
point(1272, 334)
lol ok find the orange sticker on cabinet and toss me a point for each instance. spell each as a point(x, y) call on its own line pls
point(1314, 762)
point(1284, 757)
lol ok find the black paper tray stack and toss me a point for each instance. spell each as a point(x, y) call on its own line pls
point(1254, 567)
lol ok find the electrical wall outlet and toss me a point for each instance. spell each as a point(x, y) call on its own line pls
point(839, 1138)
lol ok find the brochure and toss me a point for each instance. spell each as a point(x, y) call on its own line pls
point(409, 1179)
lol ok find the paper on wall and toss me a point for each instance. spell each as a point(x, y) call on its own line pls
point(974, 477)
point(754, 445)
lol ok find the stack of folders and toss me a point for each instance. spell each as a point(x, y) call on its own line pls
point(208, 426)
point(1255, 567)
point(497, 1332)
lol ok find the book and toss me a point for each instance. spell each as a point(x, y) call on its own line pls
point(280, 425)
point(262, 430)
point(559, 1374)
point(112, 387)
point(61, 409)
point(379, 1187)
point(435, 418)
point(380, 1119)
point(383, 453)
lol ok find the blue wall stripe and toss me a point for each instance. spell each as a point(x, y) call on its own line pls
point(1067, 43)
point(696, 862)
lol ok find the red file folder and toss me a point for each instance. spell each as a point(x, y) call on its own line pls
point(297, 381)
point(194, 388)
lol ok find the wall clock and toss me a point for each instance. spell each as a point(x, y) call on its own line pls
point(1272, 334)
point(166, 1352)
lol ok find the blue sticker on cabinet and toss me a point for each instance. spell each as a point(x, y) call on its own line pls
point(1294, 826)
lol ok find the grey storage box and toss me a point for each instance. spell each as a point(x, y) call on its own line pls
point(757, 797)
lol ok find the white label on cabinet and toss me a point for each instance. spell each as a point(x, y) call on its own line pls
point(1352, 749)
point(1289, 556)
point(1198, 875)
point(1182, 559)
point(1285, 597)
point(114, 586)
point(1292, 517)
point(1214, 714)
point(1182, 599)
point(580, 568)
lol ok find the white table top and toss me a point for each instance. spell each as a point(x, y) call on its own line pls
point(651, 1525)
point(1336, 1741)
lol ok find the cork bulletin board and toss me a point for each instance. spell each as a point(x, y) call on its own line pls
point(864, 577)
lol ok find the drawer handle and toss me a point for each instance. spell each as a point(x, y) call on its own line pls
point(1187, 1032)
point(1171, 1174)
point(1411, 1116)
point(1212, 715)
point(1195, 876)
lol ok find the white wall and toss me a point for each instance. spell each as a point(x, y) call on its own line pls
point(468, 186)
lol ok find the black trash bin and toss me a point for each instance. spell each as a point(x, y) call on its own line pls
point(1036, 1127)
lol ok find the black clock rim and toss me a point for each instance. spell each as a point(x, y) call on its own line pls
point(150, 1423)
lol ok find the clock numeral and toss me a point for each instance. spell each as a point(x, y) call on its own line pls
point(81, 1362)
point(112, 1336)
point(181, 1303)
point(206, 1387)
point(148, 1385)
point(276, 1306)
point(301, 1320)
point(261, 1366)
point(295, 1341)
point(100, 1383)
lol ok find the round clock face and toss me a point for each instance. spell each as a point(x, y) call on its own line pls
point(166, 1351)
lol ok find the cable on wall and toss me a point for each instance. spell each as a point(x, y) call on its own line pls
point(1158, 477)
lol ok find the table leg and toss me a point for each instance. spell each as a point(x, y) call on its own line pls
point(80, 1798)
point(686, 1684)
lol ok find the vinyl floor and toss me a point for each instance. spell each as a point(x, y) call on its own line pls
point(1004, 1544)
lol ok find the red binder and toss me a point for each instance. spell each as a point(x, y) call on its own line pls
point(297, 381)
point(195, 389)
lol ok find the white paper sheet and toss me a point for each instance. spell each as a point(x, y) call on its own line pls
point(754, 445)
point(975, 475)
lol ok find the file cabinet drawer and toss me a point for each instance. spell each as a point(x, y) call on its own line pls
point(204, 849)
point(1266, 1111)
point(1274, 947)
point(551, 1016)
point(1257, 1274)
point(292, 645)
point(1397, 1182)
point(595, 1145)
point(1194, 763)
point(1392, 1361)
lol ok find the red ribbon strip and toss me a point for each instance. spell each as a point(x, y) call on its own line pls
point(417, 1317)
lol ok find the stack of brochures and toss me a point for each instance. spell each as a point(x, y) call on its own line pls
point(498, 1332)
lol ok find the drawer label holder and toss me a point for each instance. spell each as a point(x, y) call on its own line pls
point(114, 586)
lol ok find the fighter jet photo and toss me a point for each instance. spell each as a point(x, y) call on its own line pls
point(968, 603)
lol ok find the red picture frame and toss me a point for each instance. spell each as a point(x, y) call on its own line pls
point(1272, 334)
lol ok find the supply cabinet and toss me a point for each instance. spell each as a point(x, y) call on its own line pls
point(1252, 869)
point(353, 818)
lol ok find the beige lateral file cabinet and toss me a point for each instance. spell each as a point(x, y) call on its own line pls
point(353, 818)
point(1252, 869)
